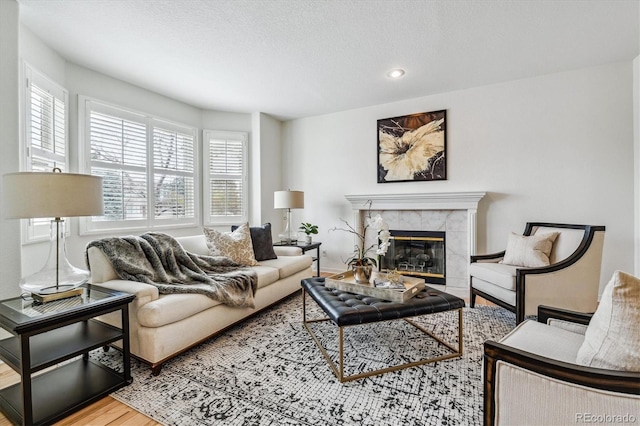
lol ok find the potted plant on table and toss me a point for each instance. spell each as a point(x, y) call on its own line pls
point(361, 263)
point(308, 229)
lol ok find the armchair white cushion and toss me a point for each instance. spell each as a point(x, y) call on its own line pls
point(570, 281)
point(532, 377)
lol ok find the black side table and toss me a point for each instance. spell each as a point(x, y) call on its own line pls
point(48, 334)
point(305, 248)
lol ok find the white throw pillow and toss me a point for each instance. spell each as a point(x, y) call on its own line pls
point(529, 251)
point(235, 245)
point(612, 339)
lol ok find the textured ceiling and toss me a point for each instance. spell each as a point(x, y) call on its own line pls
point(297, 58)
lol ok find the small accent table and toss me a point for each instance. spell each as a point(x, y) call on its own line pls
point(46, 335)
point(305, 247)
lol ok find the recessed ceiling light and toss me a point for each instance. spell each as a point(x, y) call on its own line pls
point(396, 73)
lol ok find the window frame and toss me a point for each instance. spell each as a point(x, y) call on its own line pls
point(88, 226)
point(243, 137)
point(38, 232)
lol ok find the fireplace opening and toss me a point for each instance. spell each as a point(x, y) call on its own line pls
point(417, 254)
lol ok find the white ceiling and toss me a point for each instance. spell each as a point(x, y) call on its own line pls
point(298, 58)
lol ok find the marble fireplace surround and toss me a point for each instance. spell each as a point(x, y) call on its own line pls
point(454, 213)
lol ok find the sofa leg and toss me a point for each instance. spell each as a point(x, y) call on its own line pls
point(155, 369)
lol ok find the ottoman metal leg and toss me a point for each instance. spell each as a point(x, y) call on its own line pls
point(338, 370)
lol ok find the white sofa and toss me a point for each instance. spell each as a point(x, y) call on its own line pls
point(164, 325)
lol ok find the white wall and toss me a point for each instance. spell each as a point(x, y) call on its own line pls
point(636, 139)
point(9, 134)
point(266, 169)
point(40, 56)
point(556, 148)
point(82, 81)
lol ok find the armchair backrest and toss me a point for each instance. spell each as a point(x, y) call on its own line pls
point(566, 243)
point(570, 239)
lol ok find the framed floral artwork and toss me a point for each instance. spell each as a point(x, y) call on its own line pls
point(412, 147)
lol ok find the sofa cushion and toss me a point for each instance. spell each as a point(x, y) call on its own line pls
point(287, 250)
point(612, 339)
point(235, 245)
point(496, 273)
point(169, 308)
point(529, 251)
point(196, 244)
point(261, 241)
point(266, 275)
point(288, 265)
point(541, 339)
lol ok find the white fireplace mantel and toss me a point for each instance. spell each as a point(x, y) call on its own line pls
point(418, 201)
point(423, 201)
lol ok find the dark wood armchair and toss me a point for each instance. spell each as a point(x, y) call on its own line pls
point(529, 377)
point(571, 281)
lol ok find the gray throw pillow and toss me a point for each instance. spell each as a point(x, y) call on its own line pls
point(261, 241)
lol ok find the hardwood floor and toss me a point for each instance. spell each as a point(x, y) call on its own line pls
point(107, 411)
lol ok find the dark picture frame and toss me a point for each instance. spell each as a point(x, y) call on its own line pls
point(412, 147)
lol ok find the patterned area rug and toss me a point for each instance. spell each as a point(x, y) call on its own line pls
point(268, 371)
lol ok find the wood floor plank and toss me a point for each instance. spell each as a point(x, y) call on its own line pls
point(107, 412)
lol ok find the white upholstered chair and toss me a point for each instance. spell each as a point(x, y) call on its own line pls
point(531, 377)
point(571, 281)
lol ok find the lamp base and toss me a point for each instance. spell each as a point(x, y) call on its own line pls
point(57, 272)
point(285, 238)
point(49, 294)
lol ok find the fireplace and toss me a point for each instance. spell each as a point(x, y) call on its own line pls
point(416, 253)
point(453, 213)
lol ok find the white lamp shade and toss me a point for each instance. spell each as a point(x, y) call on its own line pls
point(44, 194)
point(288, 200)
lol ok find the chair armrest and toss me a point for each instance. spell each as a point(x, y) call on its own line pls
point(547, 312)
point(624, 382)
point(609, 380)
point(492, 256)
point(599, 378)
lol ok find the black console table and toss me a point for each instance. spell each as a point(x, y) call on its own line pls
point(45, 335)
point(305, 247)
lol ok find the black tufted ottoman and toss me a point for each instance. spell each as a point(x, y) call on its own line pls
point(348, 309)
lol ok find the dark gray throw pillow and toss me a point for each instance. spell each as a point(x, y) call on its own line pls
point(261, 241)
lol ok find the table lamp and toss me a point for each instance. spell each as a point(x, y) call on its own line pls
point(52, 194)
point(288, 200)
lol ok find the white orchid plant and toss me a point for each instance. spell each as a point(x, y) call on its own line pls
point(361, 255)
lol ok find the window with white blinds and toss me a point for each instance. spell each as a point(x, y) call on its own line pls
point(147, 166)
point(225, 182)
point(45, 118)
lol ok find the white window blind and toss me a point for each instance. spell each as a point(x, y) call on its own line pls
point(119, 156)
point(45, 136)
point(174, 186)
point(147, 166)
point(225, 186)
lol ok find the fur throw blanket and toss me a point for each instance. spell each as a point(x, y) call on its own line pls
point(158, 259)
